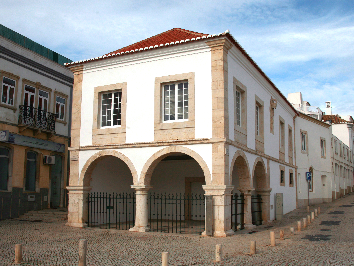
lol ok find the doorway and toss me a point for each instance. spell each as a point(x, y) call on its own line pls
point(55, 182)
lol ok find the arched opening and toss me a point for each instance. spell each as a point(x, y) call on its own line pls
point(110, 201)
point(260, 194)
point(175, 176)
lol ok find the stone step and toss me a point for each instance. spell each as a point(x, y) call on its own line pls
point(48, 215)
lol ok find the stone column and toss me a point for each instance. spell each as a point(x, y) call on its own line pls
point(248, 208)
point(265, 194)
point(221, 209)
point(142, 212)
point(78, 209)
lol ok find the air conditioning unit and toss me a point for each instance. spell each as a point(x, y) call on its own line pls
point(48, 159)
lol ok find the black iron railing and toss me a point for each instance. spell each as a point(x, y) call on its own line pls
point(256, 203)
point(36, 118)
point(177, 213)
point(116, 210)
point(237, 212)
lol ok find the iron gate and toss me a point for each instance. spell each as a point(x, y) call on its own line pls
point(116, 210)
point(177, 213)
point(256, 203)
point(237, 212)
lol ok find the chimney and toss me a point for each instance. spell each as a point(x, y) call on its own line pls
point(328, 109)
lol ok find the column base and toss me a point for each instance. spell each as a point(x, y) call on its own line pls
point(140, 229)
point(79, 225)
point(220, 233)
point(250, 226)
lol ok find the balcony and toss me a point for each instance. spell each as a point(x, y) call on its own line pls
point(36, 119)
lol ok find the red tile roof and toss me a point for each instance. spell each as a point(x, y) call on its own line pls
point(169, 36)
point(335, 119)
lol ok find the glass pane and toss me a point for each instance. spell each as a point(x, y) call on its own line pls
point(43, 94)
point(4, 152)
point(31, 156)
point(31, 176)
point(30, 89)
point(11, 96)
point(172, 102)
point(61, 113)
point(9, 81)
point(4, 94)
point(60, 100)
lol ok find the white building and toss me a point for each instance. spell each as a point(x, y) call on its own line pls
point(181, 112)
point(35, 123)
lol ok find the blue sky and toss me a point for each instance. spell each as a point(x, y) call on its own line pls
point(305, 46)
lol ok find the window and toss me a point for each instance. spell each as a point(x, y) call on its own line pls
point(290, 143)
point(282, 175)
point(323, 147)
point(8, 91)
point(340, 150)
point(175, 101)
point(291, 179)
point(36, 95)
point(303, 142)
point(43, 99)
point(335, 147)
point(240, 112)
point(30, 93)
point(282, 134)
point(257, 120)
point(4, 167)
point(60, 108)
point(111, 109)
point(31, 171)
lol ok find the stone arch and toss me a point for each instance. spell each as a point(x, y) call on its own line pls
point(153, 161)
point(86, 172)
point(241, 161)
point(260, 177)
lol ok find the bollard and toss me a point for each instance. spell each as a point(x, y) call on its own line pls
point(164, 258)
point(292, 229)
point(18, 253)
point(82, 252)
point(272, 238)
point(281, 234)
point(218, 253)
point(308, 208)
point(319, 210)
point(316, 214)
point(298, 226)
point(312, 216)
point(253, 248)
point(308, 219)
point(304, 220)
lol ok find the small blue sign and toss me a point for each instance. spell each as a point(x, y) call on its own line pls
point(308, 176)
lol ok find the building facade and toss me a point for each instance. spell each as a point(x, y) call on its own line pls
point(181, 112)
point(35, 122)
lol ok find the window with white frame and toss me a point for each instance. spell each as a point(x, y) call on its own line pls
point(303, 141)
point(323, 148)
point(60, 107)
point(43, 99)
point(175, 101)
point(29, 97)
point(111, 109)
point(8, 91)
point(238, 107)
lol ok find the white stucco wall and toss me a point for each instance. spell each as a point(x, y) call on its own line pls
point(139, 71)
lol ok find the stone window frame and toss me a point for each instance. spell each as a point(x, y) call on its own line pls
point(38, 160)
point(16, 79)
point(290, 144)
point(11, 152)
point(304, 151)
point(259, 138)
point(38, 86)
point(281, 138)
point(96, 125)
point(323, 148)
point(282, 170)
point(240, 130)
point(291, 178)
point(66, 97)
point(159, 123)
point(272, 106)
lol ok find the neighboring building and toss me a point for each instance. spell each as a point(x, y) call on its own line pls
point(181, 112)
point(321, 153)
point(35, 120)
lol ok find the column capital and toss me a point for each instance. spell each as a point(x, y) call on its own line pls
point(141, 187)
point(217, 190)
point(263, 191)
point(246, 191)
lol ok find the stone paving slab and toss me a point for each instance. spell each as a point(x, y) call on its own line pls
point(52, 243)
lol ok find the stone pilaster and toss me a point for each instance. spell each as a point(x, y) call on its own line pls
point(221, 209)
point(247, 192)
point(78, 208)
point(142, 212)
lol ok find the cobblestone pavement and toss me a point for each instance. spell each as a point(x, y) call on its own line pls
point(328, 240)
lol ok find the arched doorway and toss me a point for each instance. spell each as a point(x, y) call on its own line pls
point(173, 197)
point(108, 176)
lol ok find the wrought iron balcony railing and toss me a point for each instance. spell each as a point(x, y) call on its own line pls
point(36, 118)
